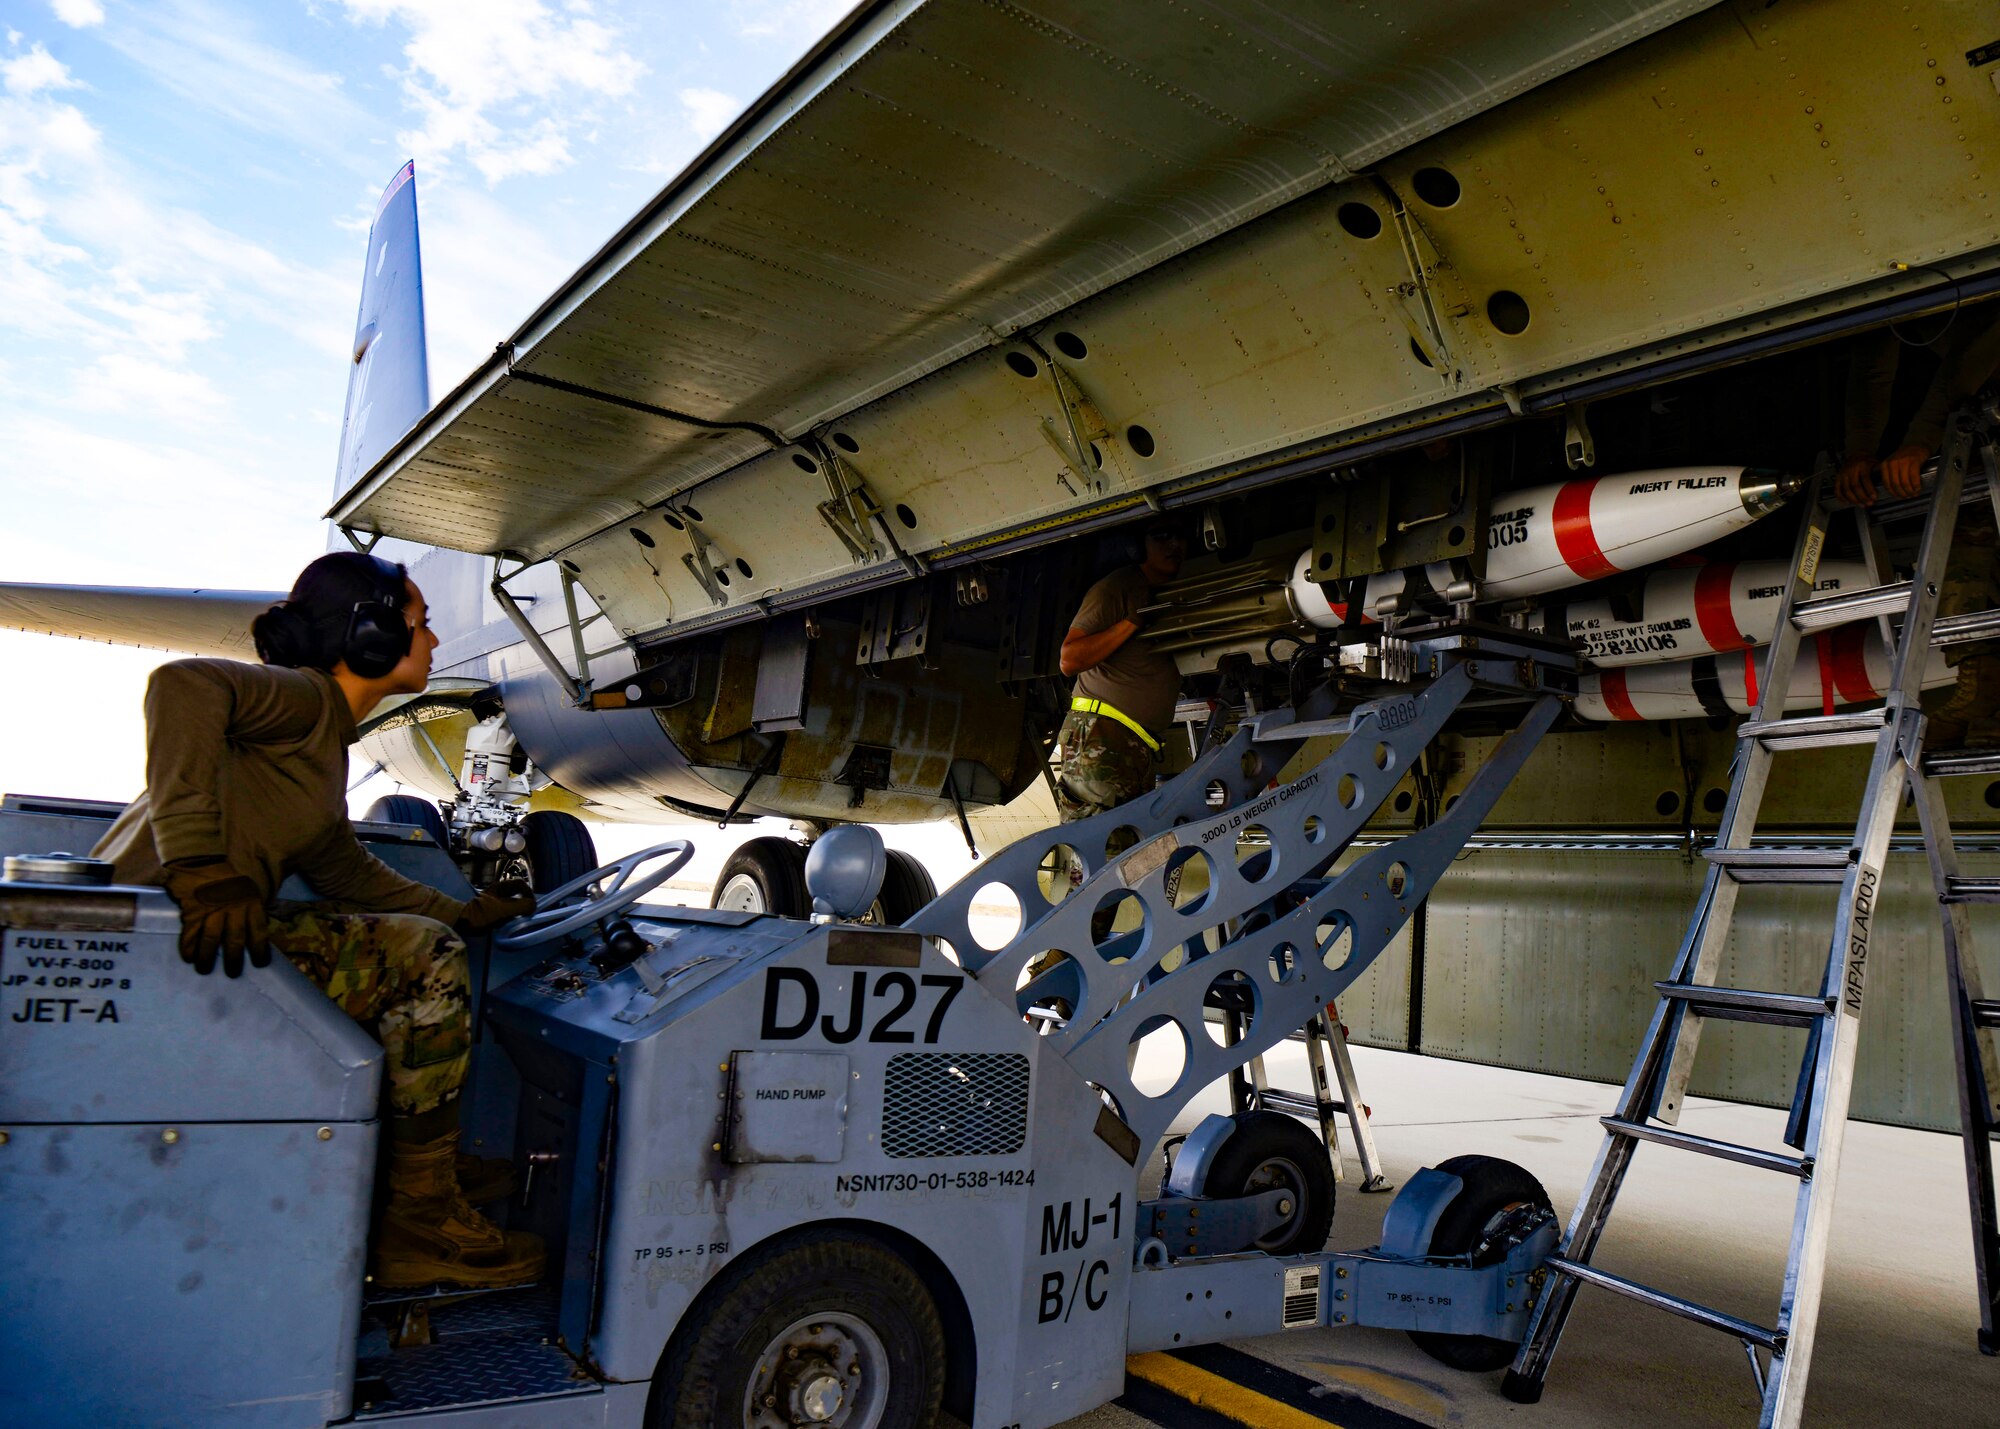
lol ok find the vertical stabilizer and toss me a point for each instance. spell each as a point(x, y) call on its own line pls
point(389, 387)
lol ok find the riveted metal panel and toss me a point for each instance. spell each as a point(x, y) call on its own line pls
point(1546, 959)
point(935, 180)
point(1614, 203)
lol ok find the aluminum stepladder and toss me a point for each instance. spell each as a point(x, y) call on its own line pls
point(1650, 1104)
point(1324, 1038)
point(1326, 1051)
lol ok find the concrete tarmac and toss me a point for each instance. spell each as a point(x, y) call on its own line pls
point(1896, 1330)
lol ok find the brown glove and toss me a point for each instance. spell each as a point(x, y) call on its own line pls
point(506, 900)
point(221, 912)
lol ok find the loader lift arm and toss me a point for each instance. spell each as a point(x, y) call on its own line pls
point(1274, 920)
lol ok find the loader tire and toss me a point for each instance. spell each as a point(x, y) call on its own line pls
point(817, 1325)
point(1268, 1151)
point(1494, 1190)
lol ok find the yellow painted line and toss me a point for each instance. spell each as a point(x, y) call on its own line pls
point(1377, 1384)
point(1222, 1396)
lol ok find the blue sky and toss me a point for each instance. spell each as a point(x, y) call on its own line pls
point(185, 187)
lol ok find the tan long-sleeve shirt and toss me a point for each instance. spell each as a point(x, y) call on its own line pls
point(249, 763)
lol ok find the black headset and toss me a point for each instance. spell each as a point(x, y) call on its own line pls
point(378, 634)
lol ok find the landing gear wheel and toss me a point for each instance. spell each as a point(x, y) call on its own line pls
point(560, 849)
point(1269, 1151)
point(820, 1327)
point(409, 809)
point(906, 887)
point(766, 875)
point(1500, 1202)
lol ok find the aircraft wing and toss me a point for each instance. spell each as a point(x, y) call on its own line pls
point(929, 177)
point(973, 275)
point(189, 622)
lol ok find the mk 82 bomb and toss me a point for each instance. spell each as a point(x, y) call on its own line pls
point(1681, 612)
point(1847, 665)
point(1541, 539)
point(1550, 537)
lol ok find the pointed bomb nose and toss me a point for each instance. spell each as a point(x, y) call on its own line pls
point(1763, 491)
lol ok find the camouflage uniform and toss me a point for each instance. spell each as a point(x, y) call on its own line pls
point(402, 977)
point(1104, 765)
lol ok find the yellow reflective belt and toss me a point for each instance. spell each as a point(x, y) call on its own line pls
point(1111, 711)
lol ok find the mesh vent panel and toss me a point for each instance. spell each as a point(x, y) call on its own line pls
point(946, 1104)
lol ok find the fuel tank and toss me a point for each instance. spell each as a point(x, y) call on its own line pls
point(885, 744)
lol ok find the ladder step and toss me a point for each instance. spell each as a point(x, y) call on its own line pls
point(1815, 731)
point(1958, 889)
point(1781, 865)
point(1954, 763)
point(1973, 625)
point(1986, 1012)
point(1799, 1166)
point(1672, 1304)
point(1739, 1004)
point(1826, 610)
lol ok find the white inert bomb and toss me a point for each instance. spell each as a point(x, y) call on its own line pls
point(1844, 666)
point(1551, 537)
point(1687, 611)
point(1310, 602)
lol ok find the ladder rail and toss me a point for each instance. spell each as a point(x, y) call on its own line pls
point(1739, 817)
point(1654, 1092)
point(1974, 1059)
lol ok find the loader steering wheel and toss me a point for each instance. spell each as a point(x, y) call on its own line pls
point(619, 890)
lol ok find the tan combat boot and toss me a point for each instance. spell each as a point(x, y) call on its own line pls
point(430, 1233)
point(486, 1178)
point(1967, 713)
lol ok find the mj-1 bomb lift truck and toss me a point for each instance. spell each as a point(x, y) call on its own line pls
point(789, 1173)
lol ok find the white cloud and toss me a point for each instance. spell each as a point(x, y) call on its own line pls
point(211, 59)
point(709, 110)
point(797, 22)
point(35, 71)
point(207, 510)
point(80, 13)
point(504, 82)
point(127, 383)
point(486, 266)
point(125, 289)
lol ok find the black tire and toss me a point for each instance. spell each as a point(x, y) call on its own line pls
point(559, 850)
point(766, 875)
point(1494, 1190)
point(409, 809)
point(773, 1295)
point(1267, 1150)
point(906, 887)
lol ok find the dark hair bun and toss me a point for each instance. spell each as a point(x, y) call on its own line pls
point(339, 596)
point(283, 637)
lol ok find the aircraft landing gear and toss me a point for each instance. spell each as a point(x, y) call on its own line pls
point(560, 848)
point(409, 809)
point(768, 875)
point(765, 875)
